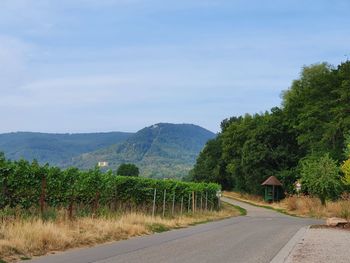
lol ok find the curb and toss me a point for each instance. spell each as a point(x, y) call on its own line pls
point(283, 254)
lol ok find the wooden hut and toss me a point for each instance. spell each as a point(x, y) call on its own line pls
point(273, 189)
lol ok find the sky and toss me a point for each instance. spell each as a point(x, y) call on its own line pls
point(70, 66)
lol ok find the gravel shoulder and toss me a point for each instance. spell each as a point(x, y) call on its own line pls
point(322, 245)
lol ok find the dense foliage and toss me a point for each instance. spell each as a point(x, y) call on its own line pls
point(314, 120)
point(27, 185)
point(345, 167)
point(320, 176)
point(128, 169)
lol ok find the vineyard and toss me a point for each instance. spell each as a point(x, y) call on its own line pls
point(34, 188)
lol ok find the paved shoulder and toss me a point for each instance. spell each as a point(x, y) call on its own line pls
point(322, 246)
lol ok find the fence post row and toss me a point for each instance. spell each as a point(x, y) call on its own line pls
point(192, 204)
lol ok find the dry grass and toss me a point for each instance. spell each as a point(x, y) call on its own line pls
point(27, 238)
point(305, 206)
point(310, 206)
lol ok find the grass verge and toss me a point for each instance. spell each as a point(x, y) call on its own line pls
point(25, 238)
point(303, 206)
point(258, 202)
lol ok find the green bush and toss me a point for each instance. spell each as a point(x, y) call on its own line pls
point(320, 176)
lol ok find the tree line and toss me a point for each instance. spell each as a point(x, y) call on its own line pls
point(291, 142)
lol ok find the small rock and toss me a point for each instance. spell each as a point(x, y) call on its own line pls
point(335, 221)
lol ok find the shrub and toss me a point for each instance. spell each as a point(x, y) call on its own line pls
point(321, 177)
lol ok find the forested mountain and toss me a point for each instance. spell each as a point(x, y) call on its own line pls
point(314, 120)
point(55, 149)
point(162, 150)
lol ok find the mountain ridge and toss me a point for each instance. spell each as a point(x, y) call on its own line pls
point(54, 148)
point(160, 150)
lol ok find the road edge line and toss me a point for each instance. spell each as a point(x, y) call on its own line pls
point(283, 254)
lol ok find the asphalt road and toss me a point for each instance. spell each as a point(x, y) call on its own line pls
point(257, 237)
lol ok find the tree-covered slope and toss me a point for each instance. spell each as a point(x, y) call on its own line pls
point(56, 149)
point(161, 150)
point(313, 121)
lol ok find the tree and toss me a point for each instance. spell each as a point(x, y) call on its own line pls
point(346, 170)
point(317, 106)
point(128, 169)
point(210, 166)
point(320, 176)
point(6, 169)
point(258, 146)
point(345, 167)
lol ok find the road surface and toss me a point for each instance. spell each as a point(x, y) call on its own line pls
point(257, 238)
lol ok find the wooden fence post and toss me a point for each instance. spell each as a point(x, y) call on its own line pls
point(173, 208)
point(201, 201)
point(154, 202)
point(193, 202)
point(189, 203)
point(164, 202)
point(43, 194)
point(206, 201)
point(182, 202)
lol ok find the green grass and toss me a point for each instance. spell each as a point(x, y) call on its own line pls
point(242, 211)
point(25, 258)
point(2, 261)
point(158, 228)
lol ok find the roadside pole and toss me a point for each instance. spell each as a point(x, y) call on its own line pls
point(218, 195)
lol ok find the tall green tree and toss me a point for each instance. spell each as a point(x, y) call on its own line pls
point(345, 167)
point(320, 176)
point(318, 107)
point(259, 146)
point(210, 166)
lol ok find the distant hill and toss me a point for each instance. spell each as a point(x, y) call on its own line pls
point(162, 150)
point(55, 149)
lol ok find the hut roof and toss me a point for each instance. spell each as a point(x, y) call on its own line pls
point(272, 181)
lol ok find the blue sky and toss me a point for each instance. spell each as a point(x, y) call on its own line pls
point(121, 65)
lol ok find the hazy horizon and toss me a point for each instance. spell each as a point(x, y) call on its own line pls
point(106, 131)
point(121, 65)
